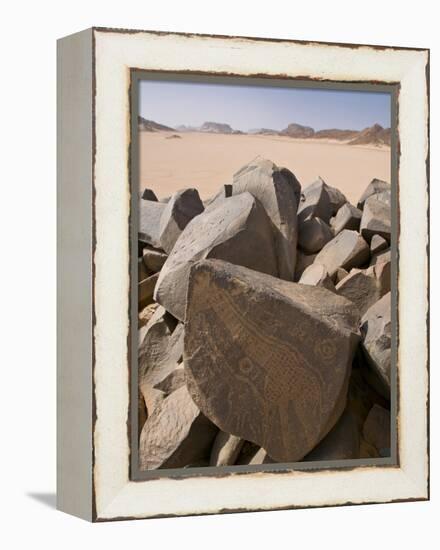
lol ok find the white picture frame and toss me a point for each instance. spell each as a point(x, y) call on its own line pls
point(95, 479)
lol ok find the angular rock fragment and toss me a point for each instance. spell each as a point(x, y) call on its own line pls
point(315, 202)
point(347, 217)
point(376, 334)
point(183, 206)
point(238, 231)
point(377, 430)
point(302, 262)
point(375, 186)
point(316, 275)
point(159, 352)
point(176, 434)
point(341, 443)
point(146, 289)
point(337, 199)
point(265, 359)
point(146, 314)
point(361, 288)
point(279, 191)
point(348, 249)
point(225, 449)
point(340, 274)
point(150, 213)
point(172, 382)
point(142, 413)
point(313, 235)
point(149, 195)
point(378, 244)
point(154, 259)
point(376, 219)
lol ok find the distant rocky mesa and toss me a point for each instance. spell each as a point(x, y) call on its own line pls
point(374, 135)
point(264, 323)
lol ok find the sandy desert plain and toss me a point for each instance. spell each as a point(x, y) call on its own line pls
point(208, 160)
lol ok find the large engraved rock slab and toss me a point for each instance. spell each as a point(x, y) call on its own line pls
point(238, 231)
point(265, 359)
point(279, 192)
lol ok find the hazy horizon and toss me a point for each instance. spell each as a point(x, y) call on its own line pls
point(250, 107)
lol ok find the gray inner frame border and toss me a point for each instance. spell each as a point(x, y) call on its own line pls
point(137, 75)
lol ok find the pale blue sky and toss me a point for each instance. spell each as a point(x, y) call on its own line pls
point(248, 107)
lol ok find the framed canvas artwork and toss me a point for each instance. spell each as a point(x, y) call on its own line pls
point(242, 274)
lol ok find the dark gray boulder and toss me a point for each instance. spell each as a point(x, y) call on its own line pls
point(265, 359)
point(376, 219)
point(238, 231)
point(315, 202)
point(348, 249)
point(278, 191)
point(149, 195)
point(183, 206)
point(361, 288)
point(150, 213)
point(347, 217)
point(153, 259)
point(375, 186)
point(313, 235)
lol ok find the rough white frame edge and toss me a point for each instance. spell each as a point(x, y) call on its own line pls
point(115, 495)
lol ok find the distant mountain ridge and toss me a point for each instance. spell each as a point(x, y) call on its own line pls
point(151, 126)
point(373, 135)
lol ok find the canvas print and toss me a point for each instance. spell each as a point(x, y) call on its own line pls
point(264, 274)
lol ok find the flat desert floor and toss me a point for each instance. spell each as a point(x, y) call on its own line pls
point(206, 161)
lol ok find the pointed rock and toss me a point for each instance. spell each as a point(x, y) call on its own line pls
point(172, 382)
point(179, 211)
point(279, 191)
point(225, 449)
point(348, 249)
point(238, 231)
point(265, 359)
point(150, 213)
point(176, 434)
point(149, 195)
point(375, 186)
point(378, 244)
point(313, 235)
point(315, 202)
point(340, 274)
point(160, 350)
point(337, 199)
point(347, 217)
point(376, 334)
point(361, 288)
point(376, 219)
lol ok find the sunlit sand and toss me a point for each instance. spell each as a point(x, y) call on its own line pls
point(206, 161)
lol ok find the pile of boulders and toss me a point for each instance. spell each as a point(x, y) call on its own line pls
point(264, 323)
